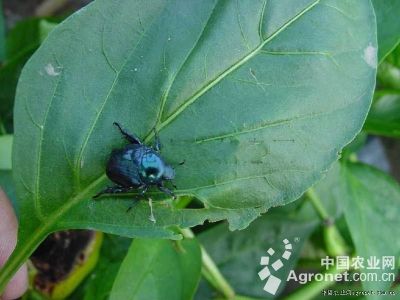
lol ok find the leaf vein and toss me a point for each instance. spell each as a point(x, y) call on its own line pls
point(260, 25)
point(166, 94)
point(36, 201)
point(277, 122)
point(240, 179)
point(245, 41)
point(322, 53)
point(229, 70)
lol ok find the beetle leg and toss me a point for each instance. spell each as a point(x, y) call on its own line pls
point(130, 137)
point(112, 190)
point(166, 190)
point(157, 142)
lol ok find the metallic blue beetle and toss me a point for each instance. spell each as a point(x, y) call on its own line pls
point(137, 167)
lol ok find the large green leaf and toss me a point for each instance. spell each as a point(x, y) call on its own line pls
point(388, 22)
point(371, 197)
point(152, 267)
point(257, 96)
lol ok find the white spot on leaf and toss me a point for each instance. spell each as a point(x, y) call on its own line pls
point(370, 56)
point(50, 70)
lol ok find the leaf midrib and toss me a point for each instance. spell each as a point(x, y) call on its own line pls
point(57, 214)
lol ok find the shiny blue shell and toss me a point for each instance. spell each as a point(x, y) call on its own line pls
point(137, 165)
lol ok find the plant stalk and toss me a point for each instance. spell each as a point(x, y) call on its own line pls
point(19, 256)
point(334, 242)
point(318, 206)
point(23, 250)
point(335, 245)
point(211, 272)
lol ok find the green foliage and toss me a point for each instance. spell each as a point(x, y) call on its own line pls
point(371, 207)
point(388, 72)
point(388, 22)
point(99, 284)
point(370, 202)
point(237, 254)
point(258, 97)
point(27, 35)
point(242, 157)
point(159, 269)
point(20, 44)
point(384, 116)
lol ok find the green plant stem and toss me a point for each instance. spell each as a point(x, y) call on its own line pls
point(20, 254)
point(216, 278)
point(335, 245)
point(316, 202)
point(211, 272)
point(24, 249)
point(334, 242)
point(314, 288)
